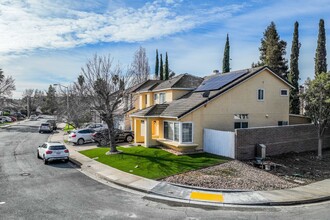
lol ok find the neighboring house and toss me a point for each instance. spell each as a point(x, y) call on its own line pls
point(174, 114)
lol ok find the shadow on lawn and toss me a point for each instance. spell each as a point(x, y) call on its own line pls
point(168, 164)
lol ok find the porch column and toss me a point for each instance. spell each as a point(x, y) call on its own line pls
point(148, 132)
point(135, 131)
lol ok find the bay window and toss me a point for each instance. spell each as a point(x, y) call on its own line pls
point(179, 132)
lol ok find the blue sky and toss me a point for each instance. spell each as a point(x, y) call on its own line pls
point(48, 41)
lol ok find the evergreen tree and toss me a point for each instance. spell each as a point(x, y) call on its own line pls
point(226, 58)
point(272, 51)
point(156, 65)
point(161, 68)
point(293, 76)
point(51, 102)
point(166, 70)
point(321, 52)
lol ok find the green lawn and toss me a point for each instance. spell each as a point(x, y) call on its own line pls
point(153, 163)
point(68, 128)
point(3, 124)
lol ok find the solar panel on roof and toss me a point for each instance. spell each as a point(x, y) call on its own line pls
point(220, 81)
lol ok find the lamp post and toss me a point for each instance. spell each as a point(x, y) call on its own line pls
point(67, 96)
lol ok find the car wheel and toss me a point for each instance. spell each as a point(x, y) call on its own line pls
point(80, 141)
point(129, 138)
point(38, 156)
point(45, 160)
point(103, 142)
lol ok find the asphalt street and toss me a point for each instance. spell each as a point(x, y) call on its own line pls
point(31, 190)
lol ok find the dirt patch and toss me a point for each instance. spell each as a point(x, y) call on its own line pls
point(302, 166)
point(292, 170)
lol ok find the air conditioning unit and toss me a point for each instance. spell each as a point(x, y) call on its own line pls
point(261, 151)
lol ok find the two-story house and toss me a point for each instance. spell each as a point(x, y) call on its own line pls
point(174, 113)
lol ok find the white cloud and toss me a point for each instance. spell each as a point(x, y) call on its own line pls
point(46, 24)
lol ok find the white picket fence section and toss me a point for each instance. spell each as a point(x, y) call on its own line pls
point(219, 142)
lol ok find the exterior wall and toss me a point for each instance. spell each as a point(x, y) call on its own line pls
point(219, 113)
point(298, 119)
point(278, 140)
point(178, 93)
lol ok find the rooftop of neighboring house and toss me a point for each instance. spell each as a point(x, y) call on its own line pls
point(211, 87)
point(182, 81)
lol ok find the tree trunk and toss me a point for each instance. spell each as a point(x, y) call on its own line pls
point(319, 149)
point(112, 136)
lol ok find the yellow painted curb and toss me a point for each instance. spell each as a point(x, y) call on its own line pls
point(207, 196)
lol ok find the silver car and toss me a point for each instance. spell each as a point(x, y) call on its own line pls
point(45, 128)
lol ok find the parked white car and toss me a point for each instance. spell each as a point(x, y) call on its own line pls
point(81, 136)
point(97, 126)
point(6, 118)
point(50, 151)
point(2, 120)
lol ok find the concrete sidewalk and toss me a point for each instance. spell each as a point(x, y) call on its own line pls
point(315, 192)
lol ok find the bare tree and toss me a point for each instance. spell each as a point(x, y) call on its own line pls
point(105, 86)
point(140, 65)
point(79, 103)
point(7, 85)
point(33, 99)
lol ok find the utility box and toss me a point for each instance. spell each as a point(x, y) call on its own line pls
point(261, 151)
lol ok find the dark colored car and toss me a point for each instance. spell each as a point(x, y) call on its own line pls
point(19, 116)
point(53, 124)
point(45, 127)
point(102, 137)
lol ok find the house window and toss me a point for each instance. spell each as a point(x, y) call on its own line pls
point(284, 92)
point(146, 99)
point(187, 132)
point(241, 116)
point(155, 98)
point(162, 98)
point(171, 130)
point(176, 131)
point(143, 128)
point(238, 125)
point(281, 123)
point(261, 94)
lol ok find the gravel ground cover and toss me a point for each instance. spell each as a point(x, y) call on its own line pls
point(292, 170)
point(232, 175)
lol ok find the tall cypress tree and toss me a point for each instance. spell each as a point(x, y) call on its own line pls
point(156, 65)
point(167, 73)
point(226, 58)
point(161, 68)
point(293, 76)
point(272, 51)
point(321, 52)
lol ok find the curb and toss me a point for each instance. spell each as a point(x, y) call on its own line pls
point(209, 189)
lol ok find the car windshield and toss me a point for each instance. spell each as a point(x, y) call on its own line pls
point(44, 124)
point(58, 147)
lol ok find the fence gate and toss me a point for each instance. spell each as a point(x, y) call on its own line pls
point(219, 142)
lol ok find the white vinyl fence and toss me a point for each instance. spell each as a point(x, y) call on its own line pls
point(219, 142)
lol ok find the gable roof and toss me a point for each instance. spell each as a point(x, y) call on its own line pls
point(193, 100)
point(182, 81)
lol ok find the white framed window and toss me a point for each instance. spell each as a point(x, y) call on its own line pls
point(143, 128)
point(162, 97)
point(282, 123)
point(241, 116)
point(187, 132)
point(179, 132)
point(241, 124)
point(261, 95)
point(284, 92)
point(146, 99)
point(155, 98)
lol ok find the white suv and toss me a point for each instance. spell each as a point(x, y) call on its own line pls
point(81, 136)
point(50, 151)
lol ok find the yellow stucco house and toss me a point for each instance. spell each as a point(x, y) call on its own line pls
point(173, 113)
